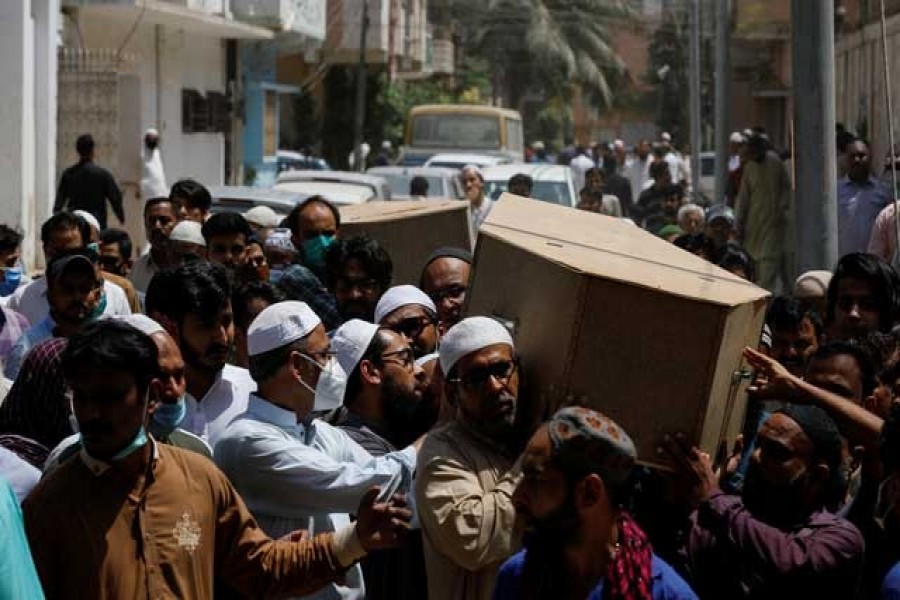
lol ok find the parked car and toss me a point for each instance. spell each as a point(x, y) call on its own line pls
point(240, 198)
point(455, 160)
point(552, 183)
point(339, 187)
point(292, 161)
point(442, 182)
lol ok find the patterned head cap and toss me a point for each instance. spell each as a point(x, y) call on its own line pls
point(589, 441)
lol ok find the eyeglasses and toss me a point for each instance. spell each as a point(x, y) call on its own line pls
point(412, 327)
point(321, 357)
point(453, 291)
point(477, 378)
point(405, 358)
point(366, 286)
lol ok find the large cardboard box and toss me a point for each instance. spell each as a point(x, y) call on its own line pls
point(650, 334)
point(410, 230)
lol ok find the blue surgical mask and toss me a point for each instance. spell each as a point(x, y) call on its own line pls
point(12, 277)
point(166, 417)
point(99, 309)
point(138, 441)
point(275, 275)
point(314, 251)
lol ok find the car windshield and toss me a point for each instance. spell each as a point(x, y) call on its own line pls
point(456, 131)
point(337, 192)
point(556, 192)
point(399, 184)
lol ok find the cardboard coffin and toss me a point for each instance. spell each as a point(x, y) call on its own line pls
point(409, 230)
point(650, 334)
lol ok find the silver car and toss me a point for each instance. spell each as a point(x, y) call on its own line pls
point(339, 187)
point(442, 183)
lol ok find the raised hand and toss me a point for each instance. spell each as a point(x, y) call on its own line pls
point(382, 524)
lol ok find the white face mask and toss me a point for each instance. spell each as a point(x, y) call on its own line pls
point(329, 391)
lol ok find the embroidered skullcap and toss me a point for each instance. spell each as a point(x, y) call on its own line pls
point(350, 342)
point(402, 295)
point(280, 239)
point(471, 335)
point(588, 441)
point(280, 324)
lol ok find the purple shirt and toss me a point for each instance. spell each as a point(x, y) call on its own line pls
point(731, 554)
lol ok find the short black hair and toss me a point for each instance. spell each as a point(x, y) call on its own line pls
point(696, 242)
point(372, 256)
point(859, 353)
point(226, 222)
point(418, 186)
point(786, 314)
point(735, 257)
point(191, 193)
point(84, 145)
point(120, 237)
point(176, 205)
point(10, 239)
point(521, 179)
point(293, 218)
point(264, 290)
point(380, 342)
point(65, 221)
point(265, 365)
point(658, 169)
point(112, 345)
point(200, 288)
point(878, 274)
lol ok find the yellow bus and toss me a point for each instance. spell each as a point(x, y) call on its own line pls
point(463, 128)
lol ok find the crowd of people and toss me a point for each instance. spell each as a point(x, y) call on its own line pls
point(252, 408)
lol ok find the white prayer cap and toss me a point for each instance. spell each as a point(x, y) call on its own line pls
point(91, 219)
point(737, 138)
point(666, 137)
point(262, 216)
point(473, 168)
point(618, 144)
point(350, 342)
point(280, 324)
point(188, 231)
point(471, 335)
point(401, 295)
point(142, 323)
point(152, 131)
point(424, 360)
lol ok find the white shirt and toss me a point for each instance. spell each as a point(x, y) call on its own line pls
point(225, 400)
point(305, 476)
point(638, 172)
point(142, 271)
point(479, 214)
point(580, 165)
point(676, 168)
point(153, 177)
point(31, 300)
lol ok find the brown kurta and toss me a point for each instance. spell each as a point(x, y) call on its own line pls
point(95, 535)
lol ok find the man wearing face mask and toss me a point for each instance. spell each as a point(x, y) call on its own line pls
point(193, 303)
point(408, 311)
point(468, 469)
point(12, 274)
point(73, 292)
point(775, 540)
point(131, 518)
point(166, 405)
point(295, 472)
point(314, 226)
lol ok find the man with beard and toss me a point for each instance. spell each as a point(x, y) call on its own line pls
point(408, 311)
point(863, 296)
point(796, 332)
point(131, 518)
point(193, 303)
point(160, 217)
point(467, 468)
point(580, 542)
point(227, 236)
point(860, 198)
point(384, 387)
point(776, 540)
point(358, 272)
point(445, 278)
point(479, 204)
point(295, 472)
point(74, 287)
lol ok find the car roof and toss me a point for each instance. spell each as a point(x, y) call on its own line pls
point(330, 176)
point(538, 172)
point(241, 198)
point(466, 158)
point(336, 192)
point(413, 171)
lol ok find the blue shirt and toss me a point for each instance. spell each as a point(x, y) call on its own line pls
point(18, 577)
point(890, 588)
point(33, 336)
point(666, 584)
point(858, 206)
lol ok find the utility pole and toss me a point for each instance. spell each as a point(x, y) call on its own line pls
point(360, 117)
point(815, 196)
point(723, 58)
point(694, 85)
